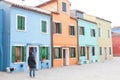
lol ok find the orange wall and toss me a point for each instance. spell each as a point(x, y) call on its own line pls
point(64, 39)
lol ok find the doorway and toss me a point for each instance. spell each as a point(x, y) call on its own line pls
point(88, 53)
point(65, 56)
point(34, 50)
point(105, 49)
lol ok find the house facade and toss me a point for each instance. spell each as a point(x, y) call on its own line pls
point(104, 39)
point(87, 38)
point(25, 29)
point(116, 44)
point(88, 46)
point(64, 33)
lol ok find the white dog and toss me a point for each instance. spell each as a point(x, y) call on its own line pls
point(8, 69)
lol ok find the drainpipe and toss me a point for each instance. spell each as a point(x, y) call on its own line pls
point(77, 41)
point(52, 50)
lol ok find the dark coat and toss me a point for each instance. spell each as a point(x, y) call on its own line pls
point(31, 61)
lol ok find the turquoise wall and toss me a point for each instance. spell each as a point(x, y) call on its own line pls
point(87, 40)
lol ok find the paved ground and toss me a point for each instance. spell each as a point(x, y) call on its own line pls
point(108, 70)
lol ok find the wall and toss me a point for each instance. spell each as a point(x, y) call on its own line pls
point(1, 33)
point(32, 35)
point(116, 45)
point(104, 40)
point(87, 40)
point(6, 34)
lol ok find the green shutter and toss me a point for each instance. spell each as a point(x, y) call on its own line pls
point(13, 54)
point(43, 26)
point(47, 53)
point(73, 30)
point(19, 22)
point(60, 52)
point(42, 53)
point(24, 53)
point(75, 52)
point(60, 28)
point(23, 23)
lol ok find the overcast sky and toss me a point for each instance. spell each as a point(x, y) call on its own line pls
point(107, 9)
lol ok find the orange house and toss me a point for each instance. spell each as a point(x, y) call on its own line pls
point(64, 33)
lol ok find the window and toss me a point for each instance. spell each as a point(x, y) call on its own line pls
point(110, 50)
point(100, 49)
point(20, 22)
point(72, 52)
point(44, 53)
point(57, 53)
point(44, 26)
point(99, 32)
point(79, 15)
point(82, 31)
point(93, 51)
point(64, 7)
point(82, 51)
point(93, 32)
point(108, 33)
point(18, 54)
point(58, 28)
point(72, 30)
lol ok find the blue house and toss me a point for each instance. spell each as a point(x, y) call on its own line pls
point(24, 28)
point(87, 38)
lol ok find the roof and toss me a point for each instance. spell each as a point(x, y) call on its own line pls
point(29, 8)
point(103, 19)
point(46, 3)
point(115, 34)
point(78, 11)
point(116, 27)
point(50, 1)
point(87, 20)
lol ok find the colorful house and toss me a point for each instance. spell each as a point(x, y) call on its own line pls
point(88, 46)
point(115, 43)
point(87, 39)
point(25, 28)
point(104, 37)
point(64, 33)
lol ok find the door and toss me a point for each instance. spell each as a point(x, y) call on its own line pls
point(34, 50)
point(88, 53)
point(65, 56)
point(105, 49)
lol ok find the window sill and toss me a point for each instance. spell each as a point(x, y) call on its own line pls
point(57, 59)
point(18, 62)
point(73, 58)
point(72, 35)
